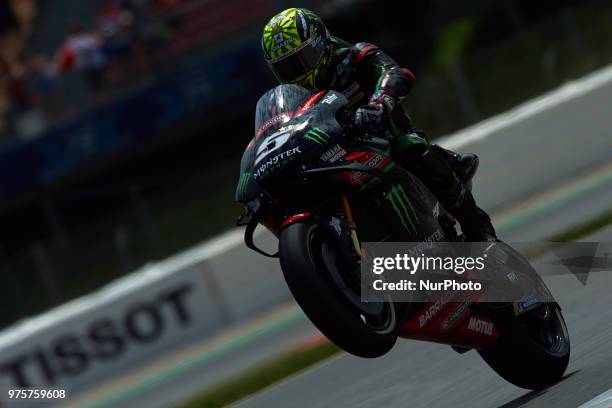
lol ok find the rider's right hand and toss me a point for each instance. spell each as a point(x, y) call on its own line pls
point(370, 117)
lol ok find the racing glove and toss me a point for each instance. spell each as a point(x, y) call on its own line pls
point(370, 117)
point(374, 115)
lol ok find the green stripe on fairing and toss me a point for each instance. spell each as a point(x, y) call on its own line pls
point(397, 210)
point(404, 201)
point(317, 135)
point(244, 180)
point(307, 136)
point(322, 134)
point(407, 201)
point(398, 194)
point(241, 184)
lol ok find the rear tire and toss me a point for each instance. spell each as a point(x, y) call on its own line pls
point(306, 257)
point(528, 360)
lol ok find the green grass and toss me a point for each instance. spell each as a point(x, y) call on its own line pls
point(571, 234)
point(587, 228)
point(261, 376)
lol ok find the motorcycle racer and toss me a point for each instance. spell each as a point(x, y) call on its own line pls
point(299, 49)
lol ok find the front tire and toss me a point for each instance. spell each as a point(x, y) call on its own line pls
point(328, 299)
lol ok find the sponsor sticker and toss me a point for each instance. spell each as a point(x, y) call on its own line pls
point(433, 309)
point(525, 305)
point(309, 103)
point(280, 41)
point(336, 224)
point(334, 154)
point(357, 176)
point(480, 326)
point(283, 117)
point(275, 161)
point(455, 315)
point(329, 99)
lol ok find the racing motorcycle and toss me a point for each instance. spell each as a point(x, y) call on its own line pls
point(323, 189)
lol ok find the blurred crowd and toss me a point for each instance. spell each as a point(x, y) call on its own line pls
point(124, 42)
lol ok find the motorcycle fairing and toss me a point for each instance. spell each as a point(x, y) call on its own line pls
point(290, 128)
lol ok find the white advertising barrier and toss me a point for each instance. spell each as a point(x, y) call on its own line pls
point(137, 319)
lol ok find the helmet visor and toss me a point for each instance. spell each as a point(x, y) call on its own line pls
point(302, 60)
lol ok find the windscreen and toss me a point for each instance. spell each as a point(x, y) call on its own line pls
point(276, 107)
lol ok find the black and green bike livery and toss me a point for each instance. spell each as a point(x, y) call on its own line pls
point(322, 188)
point(305, 169)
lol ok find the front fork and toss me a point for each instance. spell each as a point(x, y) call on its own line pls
point(351, 225)
point(344, 230)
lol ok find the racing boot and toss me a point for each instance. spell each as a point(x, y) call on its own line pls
point(455, 197)
point(463, 164)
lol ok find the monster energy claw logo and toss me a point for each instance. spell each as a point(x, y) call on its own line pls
point(317, 136)
point(244, 181)
point(401, 204)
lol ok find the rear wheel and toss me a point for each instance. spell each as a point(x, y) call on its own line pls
point(330, 296)
point(533, 351)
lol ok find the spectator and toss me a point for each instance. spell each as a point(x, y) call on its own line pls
point(83, 51)
point(115, 25)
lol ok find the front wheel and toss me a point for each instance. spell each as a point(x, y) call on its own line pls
point(533, 351)
point(330, 296)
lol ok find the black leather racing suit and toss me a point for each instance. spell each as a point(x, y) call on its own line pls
point(366, 75)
